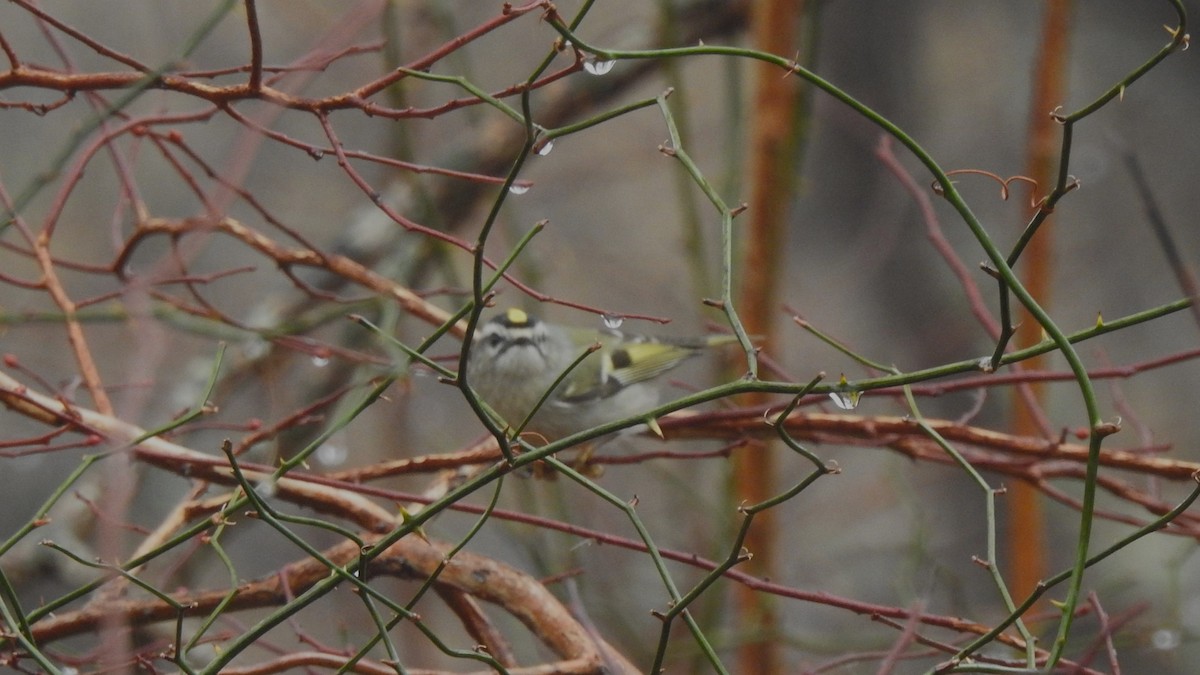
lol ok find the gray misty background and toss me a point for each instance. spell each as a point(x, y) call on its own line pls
point(953, 74)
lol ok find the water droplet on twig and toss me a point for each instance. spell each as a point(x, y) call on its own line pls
point(595, 66)
point(846, 400)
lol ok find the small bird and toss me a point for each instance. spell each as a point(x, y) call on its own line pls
point(516, 358)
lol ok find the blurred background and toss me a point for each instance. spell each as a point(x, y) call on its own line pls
point(627, 232)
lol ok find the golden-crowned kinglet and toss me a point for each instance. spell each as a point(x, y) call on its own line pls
point(516, 358)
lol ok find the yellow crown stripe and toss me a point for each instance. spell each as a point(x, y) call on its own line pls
point(516, 317)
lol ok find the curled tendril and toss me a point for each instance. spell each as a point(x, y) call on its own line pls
point(1004, 182)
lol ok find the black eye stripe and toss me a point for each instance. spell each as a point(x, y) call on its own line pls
point(620, 358)
point(498, 342)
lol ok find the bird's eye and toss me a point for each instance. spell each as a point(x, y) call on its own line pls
point(493, 340)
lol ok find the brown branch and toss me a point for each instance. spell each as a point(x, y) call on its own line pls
point(79, 344)
point(477, 624)
point(23, 75)
point(294, 661)
point(14, 61)
point(318, 152)
point(819, 426)
point(336, 264)
point(256, 47)
point(324, 499)
point(517, 593)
